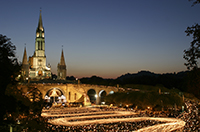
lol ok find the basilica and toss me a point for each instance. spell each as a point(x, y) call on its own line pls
point(35, 68)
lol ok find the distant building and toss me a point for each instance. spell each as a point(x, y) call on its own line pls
point(36, 67)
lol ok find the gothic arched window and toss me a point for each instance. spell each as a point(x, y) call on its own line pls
point(38, 45)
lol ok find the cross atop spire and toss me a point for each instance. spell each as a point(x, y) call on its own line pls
point(40, 26)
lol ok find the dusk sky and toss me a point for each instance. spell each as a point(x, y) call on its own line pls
point(106, 38)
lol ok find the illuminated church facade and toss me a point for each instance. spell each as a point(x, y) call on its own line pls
point(36, 68)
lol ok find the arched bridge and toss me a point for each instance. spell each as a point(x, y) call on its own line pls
point(57, 92)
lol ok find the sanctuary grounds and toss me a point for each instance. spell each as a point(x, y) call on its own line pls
point(113, 119)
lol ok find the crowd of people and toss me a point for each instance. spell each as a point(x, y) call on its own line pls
point(109, 127)
point(117, 126)
point(190, 116)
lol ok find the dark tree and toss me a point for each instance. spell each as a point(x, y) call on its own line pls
point(29, 104)
point(35, 96)
point(193, 82)
point(8, 62)
point(195, 2)
point(9, 69)
point(192, 56)
point(193, 53)
point(72, 78)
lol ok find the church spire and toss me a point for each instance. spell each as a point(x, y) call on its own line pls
point(40, 39)
point(40, 26)
point(25, 66)
point(62, 59)
point(24, 61)
point(61, 68)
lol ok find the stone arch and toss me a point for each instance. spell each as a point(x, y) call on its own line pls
point(44, 91)
point(61, 91)
point(55, 95)
point(102, 93)
point(92, 93)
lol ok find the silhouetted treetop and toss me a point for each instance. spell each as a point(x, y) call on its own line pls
point(193, 53)
point(6, 48)
point(8, 62)
point(195, 2)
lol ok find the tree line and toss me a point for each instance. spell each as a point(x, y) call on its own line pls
point(168, 80)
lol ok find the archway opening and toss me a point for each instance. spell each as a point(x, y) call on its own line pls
point(55, 95)
point(92, 95)
point(102, 95)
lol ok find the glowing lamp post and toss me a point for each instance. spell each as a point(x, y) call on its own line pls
point(97, 99)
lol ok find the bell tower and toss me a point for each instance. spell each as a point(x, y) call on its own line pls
point(40, 40)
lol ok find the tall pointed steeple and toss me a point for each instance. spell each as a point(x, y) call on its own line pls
point(62, 59)
point(40, 39)
point(25, 66)
point(24, 61)
point(40, 26)
point(61, 68)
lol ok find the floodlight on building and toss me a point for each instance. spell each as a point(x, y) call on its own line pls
point(103, 103)
point(48, 68)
